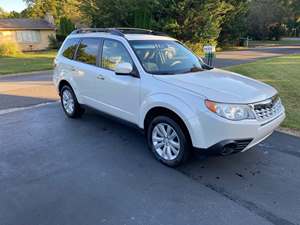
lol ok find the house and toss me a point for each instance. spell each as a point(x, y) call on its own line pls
point(30, 34)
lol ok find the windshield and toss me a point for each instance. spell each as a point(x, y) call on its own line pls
point(166, 57)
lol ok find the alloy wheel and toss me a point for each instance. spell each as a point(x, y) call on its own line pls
point(165, 141)
point(68, 101)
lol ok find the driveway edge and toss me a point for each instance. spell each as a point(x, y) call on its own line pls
point(288, 131)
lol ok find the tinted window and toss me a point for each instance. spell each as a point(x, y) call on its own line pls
point(113, 54)
point(69, 48)
point(88, 50)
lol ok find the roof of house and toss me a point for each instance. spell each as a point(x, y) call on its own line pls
point(25, 24)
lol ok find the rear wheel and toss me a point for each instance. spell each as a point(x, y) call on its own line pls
point(69, 103)
point(167, 141)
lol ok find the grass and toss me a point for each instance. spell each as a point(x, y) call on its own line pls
point(27, 62)
point(273, 43)
point(253, 44)
point(283, 73)
point(231, 48)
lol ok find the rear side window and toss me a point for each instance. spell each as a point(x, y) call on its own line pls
point(69, 48)
point(88, 50)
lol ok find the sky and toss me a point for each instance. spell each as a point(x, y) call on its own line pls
point(10, 5)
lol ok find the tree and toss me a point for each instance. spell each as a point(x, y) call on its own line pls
point(39, 8)
point(57, 8)
point(292, 16)
point(266, 17)
point(118, 13)
point(192, 20)
point(235, 23)
point(3, 14)
point(12, 14)
point(65, 27)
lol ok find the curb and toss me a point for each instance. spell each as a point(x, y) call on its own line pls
point(288, 131)
point(26, 73)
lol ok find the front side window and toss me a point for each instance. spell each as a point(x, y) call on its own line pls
point(113, 54)
point(88, 50)
point(69, 48)
point(166, 57)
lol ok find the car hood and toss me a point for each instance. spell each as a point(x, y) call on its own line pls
point(221, 86)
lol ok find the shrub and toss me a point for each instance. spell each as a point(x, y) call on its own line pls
point(276, 31)
point(53, 42)
point(65, 26)
point(9, 49)
point(197, 47)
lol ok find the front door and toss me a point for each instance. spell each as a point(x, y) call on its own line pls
point(118, 95)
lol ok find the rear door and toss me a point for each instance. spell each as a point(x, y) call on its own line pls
point(65, 65)
point(86, 70)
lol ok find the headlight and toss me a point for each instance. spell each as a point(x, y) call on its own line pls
point(230, 111)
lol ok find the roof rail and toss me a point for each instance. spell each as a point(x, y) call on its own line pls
point(105, 30)
point(119, 31)
point(126, 30)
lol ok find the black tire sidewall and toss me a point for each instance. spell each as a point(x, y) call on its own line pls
point(184, 145)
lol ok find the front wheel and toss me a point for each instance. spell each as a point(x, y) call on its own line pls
point(69, 103)
point(167, 141)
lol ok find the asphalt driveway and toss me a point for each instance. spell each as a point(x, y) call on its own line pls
point(55, 170)
point(28, 90)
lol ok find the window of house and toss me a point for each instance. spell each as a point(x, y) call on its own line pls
point(113, 54)
point(69, 48)
point(28, 36)
point(88, 50)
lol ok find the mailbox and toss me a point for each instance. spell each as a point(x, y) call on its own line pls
point(209, 52)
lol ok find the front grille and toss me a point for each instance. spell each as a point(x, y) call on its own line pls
point(268, 109)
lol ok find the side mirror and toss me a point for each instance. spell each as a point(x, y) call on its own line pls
point(123, 69)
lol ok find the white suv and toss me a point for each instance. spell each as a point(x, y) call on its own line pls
point(156, 83)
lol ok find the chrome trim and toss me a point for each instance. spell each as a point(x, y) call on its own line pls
point(263, 124)
point(268, 109)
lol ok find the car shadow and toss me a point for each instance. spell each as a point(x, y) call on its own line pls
point(13, 101)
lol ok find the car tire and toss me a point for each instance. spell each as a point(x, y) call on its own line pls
point(163, 142)
point(69, 103)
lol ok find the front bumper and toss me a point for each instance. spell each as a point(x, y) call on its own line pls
point(265, 130)
point(211, 130)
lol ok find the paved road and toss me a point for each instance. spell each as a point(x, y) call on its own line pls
point(54, 170)
point(22, 91)
point(231, 58)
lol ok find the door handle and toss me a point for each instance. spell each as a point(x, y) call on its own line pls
point(73, 69)
point(100, 77)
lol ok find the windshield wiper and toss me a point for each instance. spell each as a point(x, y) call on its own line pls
point(164, 73)
point(194, 69)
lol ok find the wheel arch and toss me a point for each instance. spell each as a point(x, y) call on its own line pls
point(72, 85)
point(186, 115)
point(63, 83)
point(163, 111)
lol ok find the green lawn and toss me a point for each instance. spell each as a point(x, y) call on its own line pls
point(273, 43)
point(253, 44)
point(283, 73)
point(27, 62)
